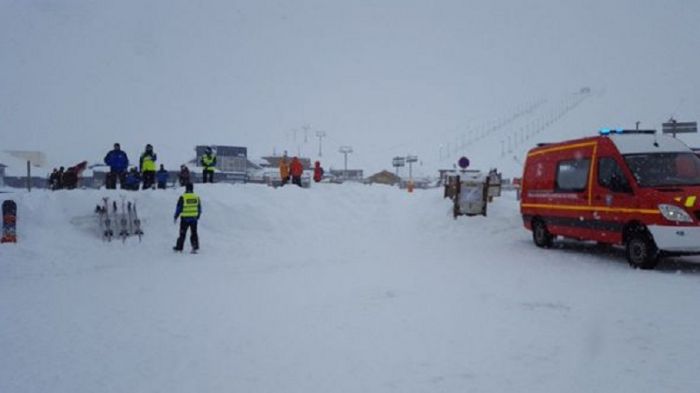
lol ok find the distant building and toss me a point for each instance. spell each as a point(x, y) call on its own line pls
point(14, 168)
point(350, 174)
point(37, 158)
point(384, 177)
point(231, 162)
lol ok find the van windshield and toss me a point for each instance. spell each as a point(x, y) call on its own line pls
point(664, 169)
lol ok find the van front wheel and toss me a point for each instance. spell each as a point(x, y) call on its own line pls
point(540, 234)
point(641, 251)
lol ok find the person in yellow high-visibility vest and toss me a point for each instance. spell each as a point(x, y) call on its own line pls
point(284, 170)
point(189, 209)
point(208, 161)
point(148, 167)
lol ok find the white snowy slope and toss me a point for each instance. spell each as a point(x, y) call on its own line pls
point(332, 289)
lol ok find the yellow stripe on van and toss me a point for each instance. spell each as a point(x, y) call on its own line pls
point(589, 208)
point(565, 147)
point(590, 174)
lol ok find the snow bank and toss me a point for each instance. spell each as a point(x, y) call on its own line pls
point(331, 289)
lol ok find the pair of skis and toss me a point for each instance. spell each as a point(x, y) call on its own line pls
point(105, 220)
point(133, 219)
point(125, 220)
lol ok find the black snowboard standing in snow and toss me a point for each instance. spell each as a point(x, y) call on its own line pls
point(9, 222)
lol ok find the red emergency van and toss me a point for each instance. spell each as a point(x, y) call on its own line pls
point(632, 188)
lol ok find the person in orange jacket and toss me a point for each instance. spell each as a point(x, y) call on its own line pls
point(296, 170)
point(284, 170)
point(318, 172)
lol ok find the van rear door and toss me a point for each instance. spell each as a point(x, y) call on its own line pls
point(557, 188)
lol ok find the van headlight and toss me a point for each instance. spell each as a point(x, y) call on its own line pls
point(674, 213)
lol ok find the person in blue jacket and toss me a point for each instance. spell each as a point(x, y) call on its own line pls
point(118, 163)
point(189, 209)
point(162, 177)
point(133, 180)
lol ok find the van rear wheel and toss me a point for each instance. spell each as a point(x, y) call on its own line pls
point(540, 234)
point(641, 251)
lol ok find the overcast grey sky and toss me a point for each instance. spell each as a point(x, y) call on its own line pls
point(78, 75)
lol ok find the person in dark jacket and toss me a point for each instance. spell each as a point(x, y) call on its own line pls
point(189, 209)
point(59, 178)
point(118, 163)
point(162, 177)
point(318, 172)
point(133, 180)
point(147, 162)
point(53, 179)
point(184, 176)
point(70, 179)
point(71, 176)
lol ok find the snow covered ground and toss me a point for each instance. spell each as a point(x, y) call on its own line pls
point(337, 288)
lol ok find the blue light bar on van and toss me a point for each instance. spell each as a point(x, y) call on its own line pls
point(621, 131)
point(608, 131)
